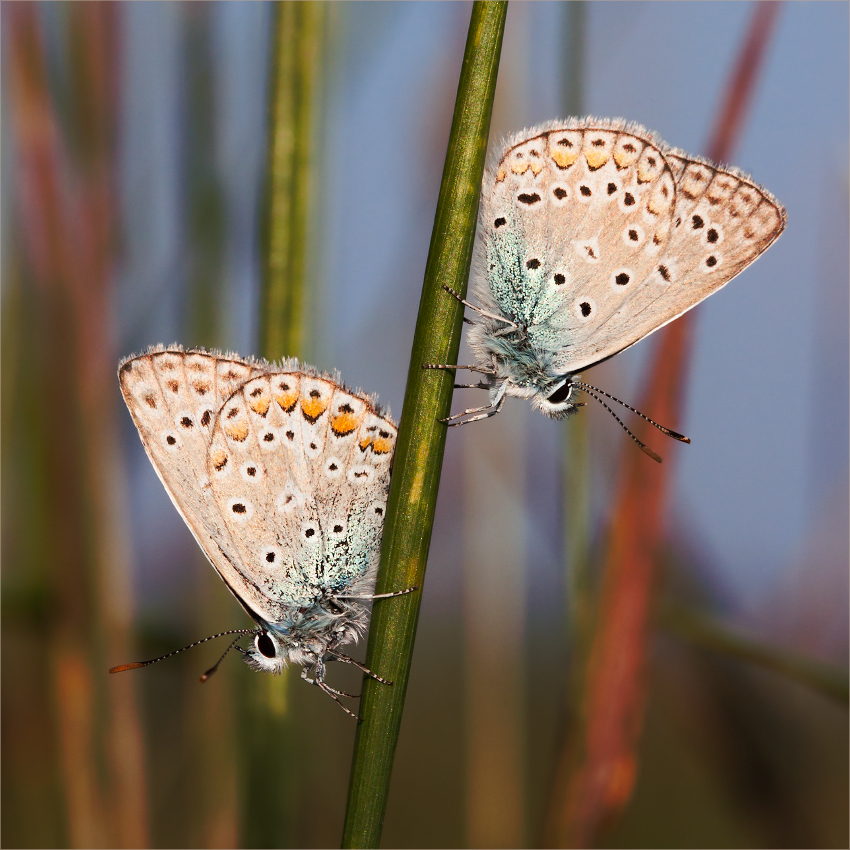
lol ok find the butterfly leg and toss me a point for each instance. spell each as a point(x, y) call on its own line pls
point(333, 693)
point(478, 310)
point(478, 386)
point(468, 368)
point(381, 595)
point(345, 659)
point(481, 412)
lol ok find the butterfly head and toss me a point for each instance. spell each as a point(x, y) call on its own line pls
point(557, 401)
point(272, 651)
point(267, 653)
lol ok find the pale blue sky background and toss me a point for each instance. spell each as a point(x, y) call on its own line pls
point(761, 493)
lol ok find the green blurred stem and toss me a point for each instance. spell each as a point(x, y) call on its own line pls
point(829, 680)
point(296, 73)
point(299, 28)
point(421, 438)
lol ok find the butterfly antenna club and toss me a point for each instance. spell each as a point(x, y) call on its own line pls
point(134, 665)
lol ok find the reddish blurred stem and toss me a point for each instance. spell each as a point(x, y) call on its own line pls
point(599, 767)
point(727, 129)
point(65, 197)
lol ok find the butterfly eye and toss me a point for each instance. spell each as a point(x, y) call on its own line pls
point(561, 394)
point(266, 646)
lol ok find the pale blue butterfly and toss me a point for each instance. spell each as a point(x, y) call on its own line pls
point(593, 233)
point(281, 474)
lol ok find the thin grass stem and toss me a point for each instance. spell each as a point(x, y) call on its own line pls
point(421, 438)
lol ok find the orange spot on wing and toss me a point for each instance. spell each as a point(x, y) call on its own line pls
point(237, 431)
point(381, 446)
point(259, 405)
point(562, 157)
point(596, 157)
point(286, 400)
point(344, 424)
point(313, 407)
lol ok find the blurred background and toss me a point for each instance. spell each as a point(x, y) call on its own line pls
point(134, 150)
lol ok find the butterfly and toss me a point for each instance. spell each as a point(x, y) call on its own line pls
point(282, 475)
point(594, 233)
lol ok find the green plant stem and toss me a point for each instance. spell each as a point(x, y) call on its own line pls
point(296, 69)
point(421, 438)
point(700, 630)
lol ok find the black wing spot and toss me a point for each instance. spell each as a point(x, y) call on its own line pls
point(664, 272)
point(628, 199)
point(186, 422)
point(532, 264)
point(268, 436)
point(270, 557)
point(205, 418)
point(585, 190)
point(528, 198)
point(559, 192)
point(612, 187)
point(560, 280)
point(585, 308)
point(622, 279)
point(499, 222)
point(239, 508)
point(712, 236)
point(697, 222)
point(711, 262)
point(337, 529)
point(633, 235)
point(309, 532)
point(170, 440)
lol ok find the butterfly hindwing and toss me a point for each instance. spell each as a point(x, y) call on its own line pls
point(576, 217)
point(287, 467)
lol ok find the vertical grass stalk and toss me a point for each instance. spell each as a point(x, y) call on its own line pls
point(421, 438)
point(298, 40)
point(297, 59)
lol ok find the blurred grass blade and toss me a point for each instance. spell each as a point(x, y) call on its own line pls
point(297, 63)
point(298, 56)
point(421, 438)
point(597, 773)
point(827, 679)
point(66, 210)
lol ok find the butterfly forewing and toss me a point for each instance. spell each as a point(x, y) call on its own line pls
point(173, 397)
